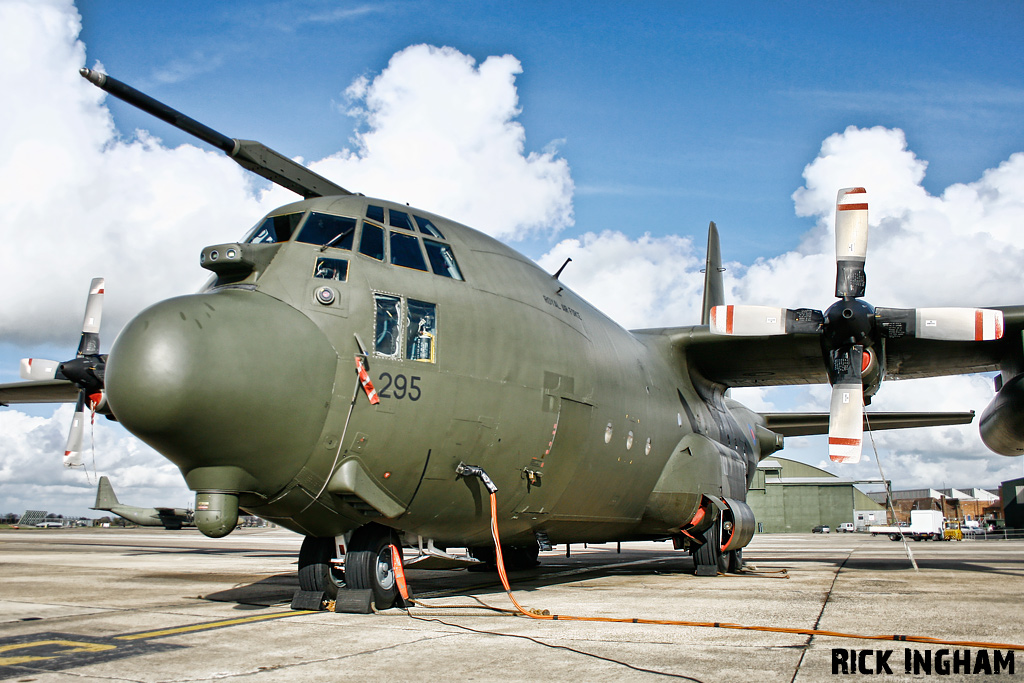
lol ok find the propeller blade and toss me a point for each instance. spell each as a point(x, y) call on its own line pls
point(851, 242)
point(846, 412)
point(946, 324)
point(959, 324)
point(846, 423)
point(73, 450)
point(760, 321)
point(36, 369)
point(90, 343)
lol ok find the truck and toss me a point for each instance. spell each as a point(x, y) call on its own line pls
point(924, 525)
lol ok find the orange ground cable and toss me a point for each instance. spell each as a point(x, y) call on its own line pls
point(545, 615)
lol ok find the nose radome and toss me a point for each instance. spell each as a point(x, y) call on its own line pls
point(231, 380)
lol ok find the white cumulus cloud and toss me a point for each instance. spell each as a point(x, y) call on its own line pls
point(439, 132)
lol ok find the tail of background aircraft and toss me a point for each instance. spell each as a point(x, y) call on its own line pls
point(714, 287)
point(105, 498)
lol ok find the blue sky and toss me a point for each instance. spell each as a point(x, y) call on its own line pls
point(611, 135)
point(670, 114)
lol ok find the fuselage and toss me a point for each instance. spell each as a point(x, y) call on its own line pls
point(477, 356)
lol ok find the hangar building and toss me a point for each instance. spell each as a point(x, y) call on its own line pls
point(790, 497)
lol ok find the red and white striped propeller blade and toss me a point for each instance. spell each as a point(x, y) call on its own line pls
point(73, 450)
point(90, 342)
point(36, 369)
point(851, 241)
point(846, 422)
point(959, 324)
point(748, 321)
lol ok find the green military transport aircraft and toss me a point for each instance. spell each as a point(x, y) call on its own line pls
point(168, 518)
point(360, 371)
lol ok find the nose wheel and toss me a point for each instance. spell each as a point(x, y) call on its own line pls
point(317, 572)
point(368, 563)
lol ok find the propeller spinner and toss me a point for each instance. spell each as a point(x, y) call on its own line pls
point(85, 371)
point(851, 328)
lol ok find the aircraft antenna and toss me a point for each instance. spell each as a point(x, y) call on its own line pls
point(559, 271)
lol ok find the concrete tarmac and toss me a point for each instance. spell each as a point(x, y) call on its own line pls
point(153, 605)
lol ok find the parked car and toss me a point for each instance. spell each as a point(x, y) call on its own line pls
point(821, 529)
point(846, 528)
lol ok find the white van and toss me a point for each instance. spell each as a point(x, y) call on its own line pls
point(846, 528)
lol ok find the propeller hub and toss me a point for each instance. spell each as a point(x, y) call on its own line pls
point(849, 321)
point(234, 380)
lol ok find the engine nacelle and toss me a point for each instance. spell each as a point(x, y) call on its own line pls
point(1002, 422)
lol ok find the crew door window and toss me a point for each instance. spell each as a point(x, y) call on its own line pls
point(387, 334)
point(421, 331)
point(405, 328)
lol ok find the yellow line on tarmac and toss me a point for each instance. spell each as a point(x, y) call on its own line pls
point(211, 625)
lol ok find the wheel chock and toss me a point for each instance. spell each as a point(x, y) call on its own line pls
point(706, 570)
point(354, 601)
point(308, 600)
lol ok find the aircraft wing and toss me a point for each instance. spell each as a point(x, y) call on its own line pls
point(171, 512)
point(810, 424)
point(737, 361)
point(47, 391)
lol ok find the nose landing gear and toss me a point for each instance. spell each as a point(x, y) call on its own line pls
point(367, 565)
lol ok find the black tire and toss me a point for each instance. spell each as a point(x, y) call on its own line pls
point(711, 552)
point(894, 537)
point(368, 563)
point(316, 572)
point(735, 561)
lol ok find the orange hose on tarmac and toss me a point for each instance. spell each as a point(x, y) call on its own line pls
point(545, 615)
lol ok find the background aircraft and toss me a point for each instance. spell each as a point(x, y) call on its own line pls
point(168, 518)
point(356, 368)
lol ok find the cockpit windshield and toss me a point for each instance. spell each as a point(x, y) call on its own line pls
point(275, 229)
point(326, 230)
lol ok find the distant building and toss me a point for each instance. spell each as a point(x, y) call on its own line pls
point(969, 505)
point(32, 518)
point(790, 497)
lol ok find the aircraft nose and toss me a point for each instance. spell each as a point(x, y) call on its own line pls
point(232, 386)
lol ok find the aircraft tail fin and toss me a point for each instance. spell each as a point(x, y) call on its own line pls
point(714, 286)
point(105, 498)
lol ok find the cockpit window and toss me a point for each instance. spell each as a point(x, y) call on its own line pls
point(275, 229)
point(323, 229)
point(399, 219)
point(421, 331)
point(331, 269)
point(375, 213)
point(386, 339)
point(427, 227)
point(372, 241)
point(442, 260)
point(405, 251)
